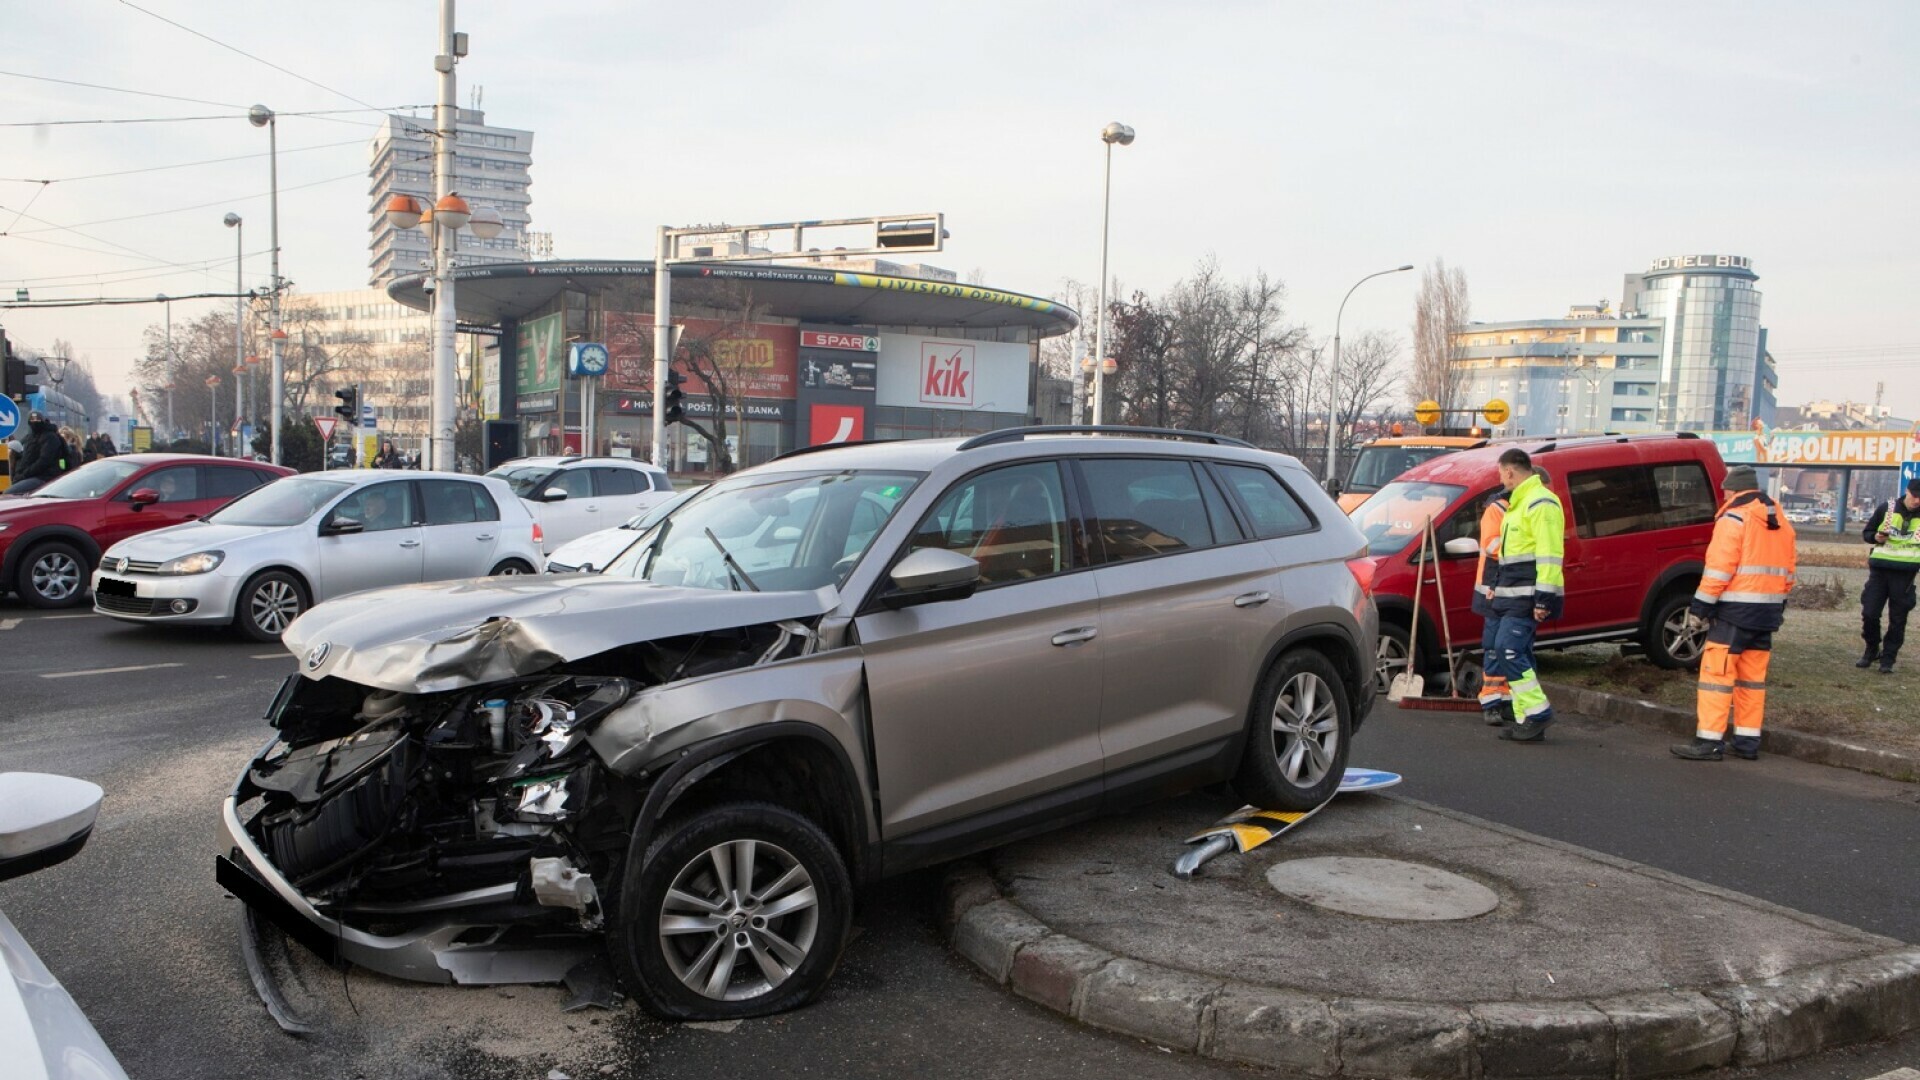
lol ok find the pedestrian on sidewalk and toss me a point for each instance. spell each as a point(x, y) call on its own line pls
point(1894, 532)
point(1742, 600)
point(1529, 589)
point(1496, 697)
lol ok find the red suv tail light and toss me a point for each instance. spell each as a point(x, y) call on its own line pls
point(1363, 571)
point(539, 536)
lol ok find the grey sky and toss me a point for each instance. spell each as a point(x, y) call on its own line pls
point(1547, 148)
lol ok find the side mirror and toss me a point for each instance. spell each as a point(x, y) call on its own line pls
point(342, 526)
point(1462, 545)
point(142, 497)
point(1334, 486)
point(44, 820)
point(554, 494)
point(929, 576)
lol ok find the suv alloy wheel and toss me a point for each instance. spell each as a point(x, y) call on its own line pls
point(53, 575)
point(1297, 735)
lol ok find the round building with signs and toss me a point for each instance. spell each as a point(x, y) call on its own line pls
point(1712, 345)
point(770, 358)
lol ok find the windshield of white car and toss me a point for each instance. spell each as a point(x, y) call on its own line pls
point(786, 531)
point(283, 502)
point(527, 481)
point(89, 481)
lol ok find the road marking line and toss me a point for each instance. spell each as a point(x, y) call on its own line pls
point(8, 624)
point(271, 656)
point(107, 670)
point(87, 615)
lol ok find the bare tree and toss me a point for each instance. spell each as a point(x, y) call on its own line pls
point(1297, 378)
point(1369, 374)
point(1439, 313)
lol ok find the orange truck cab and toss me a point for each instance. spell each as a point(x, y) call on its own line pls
point(1383, 460)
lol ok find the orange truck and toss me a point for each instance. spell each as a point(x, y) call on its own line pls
point(1383, 460)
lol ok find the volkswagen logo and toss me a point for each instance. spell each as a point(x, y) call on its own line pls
point(318, 655)
point(123, 564)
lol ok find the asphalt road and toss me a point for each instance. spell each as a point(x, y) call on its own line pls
point(144, 940)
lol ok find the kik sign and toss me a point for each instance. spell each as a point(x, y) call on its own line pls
point(946, 373)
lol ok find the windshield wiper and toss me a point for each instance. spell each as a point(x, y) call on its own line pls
point(732, 564)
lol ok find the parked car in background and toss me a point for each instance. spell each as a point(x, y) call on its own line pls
point(1639, 516)
point(842, 665)
point(51, 538)
point(1383, 460)
point(44, 821)
point(595, 551)
point(260, 561)
point(573, 496)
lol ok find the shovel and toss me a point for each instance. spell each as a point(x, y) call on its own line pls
point(1409, 684)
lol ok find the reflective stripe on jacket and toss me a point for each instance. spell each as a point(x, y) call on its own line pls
point(1902, 549)
point(1532, 550)
point(1750, 564)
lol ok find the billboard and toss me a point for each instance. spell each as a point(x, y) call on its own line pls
point(1816, 449)
point(924, 372)
point(758, 360)
point(542, 354)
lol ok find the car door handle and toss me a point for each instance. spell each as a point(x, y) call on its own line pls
point(1075, 636)
point(484, 536)
point(1252, 599)
point(409, 543)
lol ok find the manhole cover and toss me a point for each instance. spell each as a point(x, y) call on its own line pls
point(1382, 888)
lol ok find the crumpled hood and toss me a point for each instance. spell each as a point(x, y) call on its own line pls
point(422, 639)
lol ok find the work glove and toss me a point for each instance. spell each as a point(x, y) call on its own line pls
point(1698, 624)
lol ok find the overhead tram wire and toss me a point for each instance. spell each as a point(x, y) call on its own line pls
point(139, 273)
point(248, 55)
point(178, 165)
point(117, 301)
point(120, 90)
point(333, 115)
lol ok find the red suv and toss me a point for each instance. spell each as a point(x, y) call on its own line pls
point(1639, 516)
point(51, 539)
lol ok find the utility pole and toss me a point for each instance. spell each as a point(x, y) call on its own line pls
point(662, 343)
point(446, 121)
point(169, 370)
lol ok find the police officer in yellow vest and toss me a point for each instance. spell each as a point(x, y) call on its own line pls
point(1528, 589)
point(1894, 532)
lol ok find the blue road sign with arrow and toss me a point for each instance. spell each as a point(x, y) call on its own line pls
point(9, 417)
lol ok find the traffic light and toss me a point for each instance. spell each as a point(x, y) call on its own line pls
point(676, 398)
point(349, 407)
point(19, 373)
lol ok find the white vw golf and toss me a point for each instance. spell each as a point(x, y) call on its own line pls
point(264, 558)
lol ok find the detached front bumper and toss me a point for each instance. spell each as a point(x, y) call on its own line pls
point(443, 948)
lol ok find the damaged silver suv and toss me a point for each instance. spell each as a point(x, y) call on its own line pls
point(848, 663)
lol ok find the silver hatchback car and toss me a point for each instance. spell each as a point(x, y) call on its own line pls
point(848, 663)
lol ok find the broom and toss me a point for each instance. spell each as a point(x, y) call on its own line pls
point(1409, 690)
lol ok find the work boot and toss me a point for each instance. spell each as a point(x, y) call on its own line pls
point(1886, 667)
point(1699, 750)
point(1499, 714)
point(1867, 658)
point(1524, 731)
point(1745, 747)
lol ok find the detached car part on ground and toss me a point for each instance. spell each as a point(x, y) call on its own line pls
point(833, 668)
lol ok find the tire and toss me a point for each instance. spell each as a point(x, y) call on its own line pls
point(268, 603)
point(510, 568)
point(1297, 735)
point(53, 575)
point(670, 974)
point(1665, 637)
point(1389, 656)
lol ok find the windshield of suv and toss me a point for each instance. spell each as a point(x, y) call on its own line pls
point(787, 531)
point(282, 502)
point(1397, 514)
point(1378, 466)
point(89, 481)
point(525, 480)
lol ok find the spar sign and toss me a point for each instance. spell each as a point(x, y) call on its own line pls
point(1816, 449)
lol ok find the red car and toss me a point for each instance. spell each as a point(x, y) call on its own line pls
point(1639, 516)
point(51, 538)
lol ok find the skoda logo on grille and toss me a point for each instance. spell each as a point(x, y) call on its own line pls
point(318, 654)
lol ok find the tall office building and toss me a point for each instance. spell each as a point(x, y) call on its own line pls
point(491, 167)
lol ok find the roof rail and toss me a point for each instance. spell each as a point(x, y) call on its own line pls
point(1016, 434)
point(798, 450)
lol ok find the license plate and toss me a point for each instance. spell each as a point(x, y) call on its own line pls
point(116, 587)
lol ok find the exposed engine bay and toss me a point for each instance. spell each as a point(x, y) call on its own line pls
point(388, 810)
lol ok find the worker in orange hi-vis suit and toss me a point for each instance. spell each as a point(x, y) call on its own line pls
point(1743, 594)
point(1496, 697)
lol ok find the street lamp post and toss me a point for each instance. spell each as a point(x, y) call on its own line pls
point(213, 414)
point(232, 221)
point(261, 116)
point(169, 303)
point(1333, 377)
point(1115, 132)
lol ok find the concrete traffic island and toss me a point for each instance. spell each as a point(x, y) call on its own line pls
point(1402, 940)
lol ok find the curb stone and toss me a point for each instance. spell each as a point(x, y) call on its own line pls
point(1799, 745)
point(1656, 1033)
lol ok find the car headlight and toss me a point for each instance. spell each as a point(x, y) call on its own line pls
point(199, 562)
